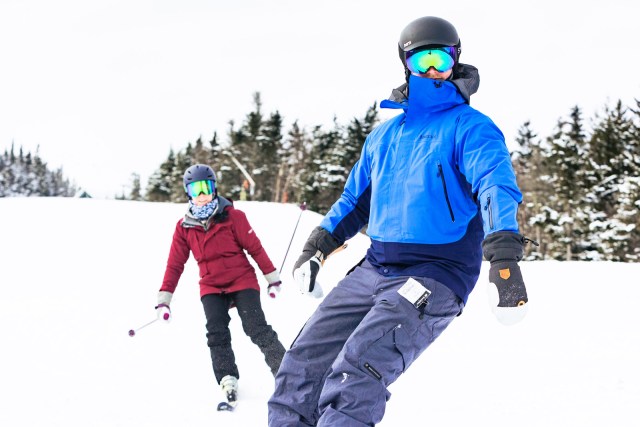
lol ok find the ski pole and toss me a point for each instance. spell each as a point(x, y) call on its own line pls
point(303, 207)
point(132, 332)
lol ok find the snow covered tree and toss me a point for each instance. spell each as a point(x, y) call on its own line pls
point(268, 164)
point(160, 185)
point(332, 156)
point(295, 154)
point(182, 162)
point(215, 152)
point(243, 148)
point(581, 192)
point(569, 172)
point(232, 182)
point(200, 153)
point(136, 188)
point(324, 176)
point(529, 167)
point(588, 188)
point(28, 175)
point(356, 133)
point(610, 153)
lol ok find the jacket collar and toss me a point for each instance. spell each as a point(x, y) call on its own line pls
point(218, 215)
point(432, 95)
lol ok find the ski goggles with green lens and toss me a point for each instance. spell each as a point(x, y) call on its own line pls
point(440, 58)
point(194, 189)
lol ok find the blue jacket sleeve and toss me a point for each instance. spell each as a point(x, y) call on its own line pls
point(486, 163)
point(351, 211)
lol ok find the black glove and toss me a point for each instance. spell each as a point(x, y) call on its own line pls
point(503, 250)
point(318, 247)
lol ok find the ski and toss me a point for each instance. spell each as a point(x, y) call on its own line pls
point(227, 406)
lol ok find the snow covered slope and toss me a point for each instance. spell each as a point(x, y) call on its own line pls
point(77, 274)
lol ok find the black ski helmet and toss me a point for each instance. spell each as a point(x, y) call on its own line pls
point(427, 31)
point(198, 172)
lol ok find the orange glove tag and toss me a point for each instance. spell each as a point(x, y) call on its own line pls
point(505, 273)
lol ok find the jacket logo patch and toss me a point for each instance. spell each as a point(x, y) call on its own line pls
point(505, 273)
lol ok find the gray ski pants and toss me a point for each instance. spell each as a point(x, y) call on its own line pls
point(359, 340)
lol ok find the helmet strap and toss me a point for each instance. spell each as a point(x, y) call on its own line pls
point(407, 73)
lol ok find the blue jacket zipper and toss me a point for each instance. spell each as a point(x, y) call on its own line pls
point(446, 193)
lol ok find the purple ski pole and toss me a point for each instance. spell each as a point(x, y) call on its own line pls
point(132, 332)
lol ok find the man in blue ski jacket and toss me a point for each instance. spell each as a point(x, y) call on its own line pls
point(436, 190)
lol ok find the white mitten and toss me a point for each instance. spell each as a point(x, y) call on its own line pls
point(305, 277)
point(162, 309)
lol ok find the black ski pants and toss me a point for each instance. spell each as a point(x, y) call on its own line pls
point(254, 324)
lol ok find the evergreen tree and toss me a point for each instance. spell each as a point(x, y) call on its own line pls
point(608, 154)
point(233, 183)
point(27, 175)
point(268, 166)
point(326, 175)
point(3, 184)
point(630, 194)
point(215, 153)
point(296, 153)
point(182, 162)
point(160, 183)
point(308, 176)
point(529, 167)
point(40, 170)
point(568, 162)
point(200, 153)
point(625, 166)
point(356, 133)
point(245, 149)
point(136, 188)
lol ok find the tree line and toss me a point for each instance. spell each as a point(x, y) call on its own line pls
point(261, 161)
point(26, 174)
point(581, 185)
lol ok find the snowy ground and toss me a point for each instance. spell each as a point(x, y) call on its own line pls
point(77, 274)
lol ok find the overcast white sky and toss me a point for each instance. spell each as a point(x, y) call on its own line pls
point(106, 88)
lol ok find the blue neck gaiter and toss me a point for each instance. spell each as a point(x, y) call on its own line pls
point(203, 212)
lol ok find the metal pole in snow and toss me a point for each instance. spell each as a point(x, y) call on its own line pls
point(303, 207)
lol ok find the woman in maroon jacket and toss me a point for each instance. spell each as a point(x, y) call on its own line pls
point(218, 235)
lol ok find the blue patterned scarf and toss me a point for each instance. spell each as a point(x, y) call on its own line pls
point(203, 212)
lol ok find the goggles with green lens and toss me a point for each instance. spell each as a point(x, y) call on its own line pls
point(206, 187)
point(440, 58)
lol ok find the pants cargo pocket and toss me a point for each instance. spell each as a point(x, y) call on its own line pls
point(389, 356)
